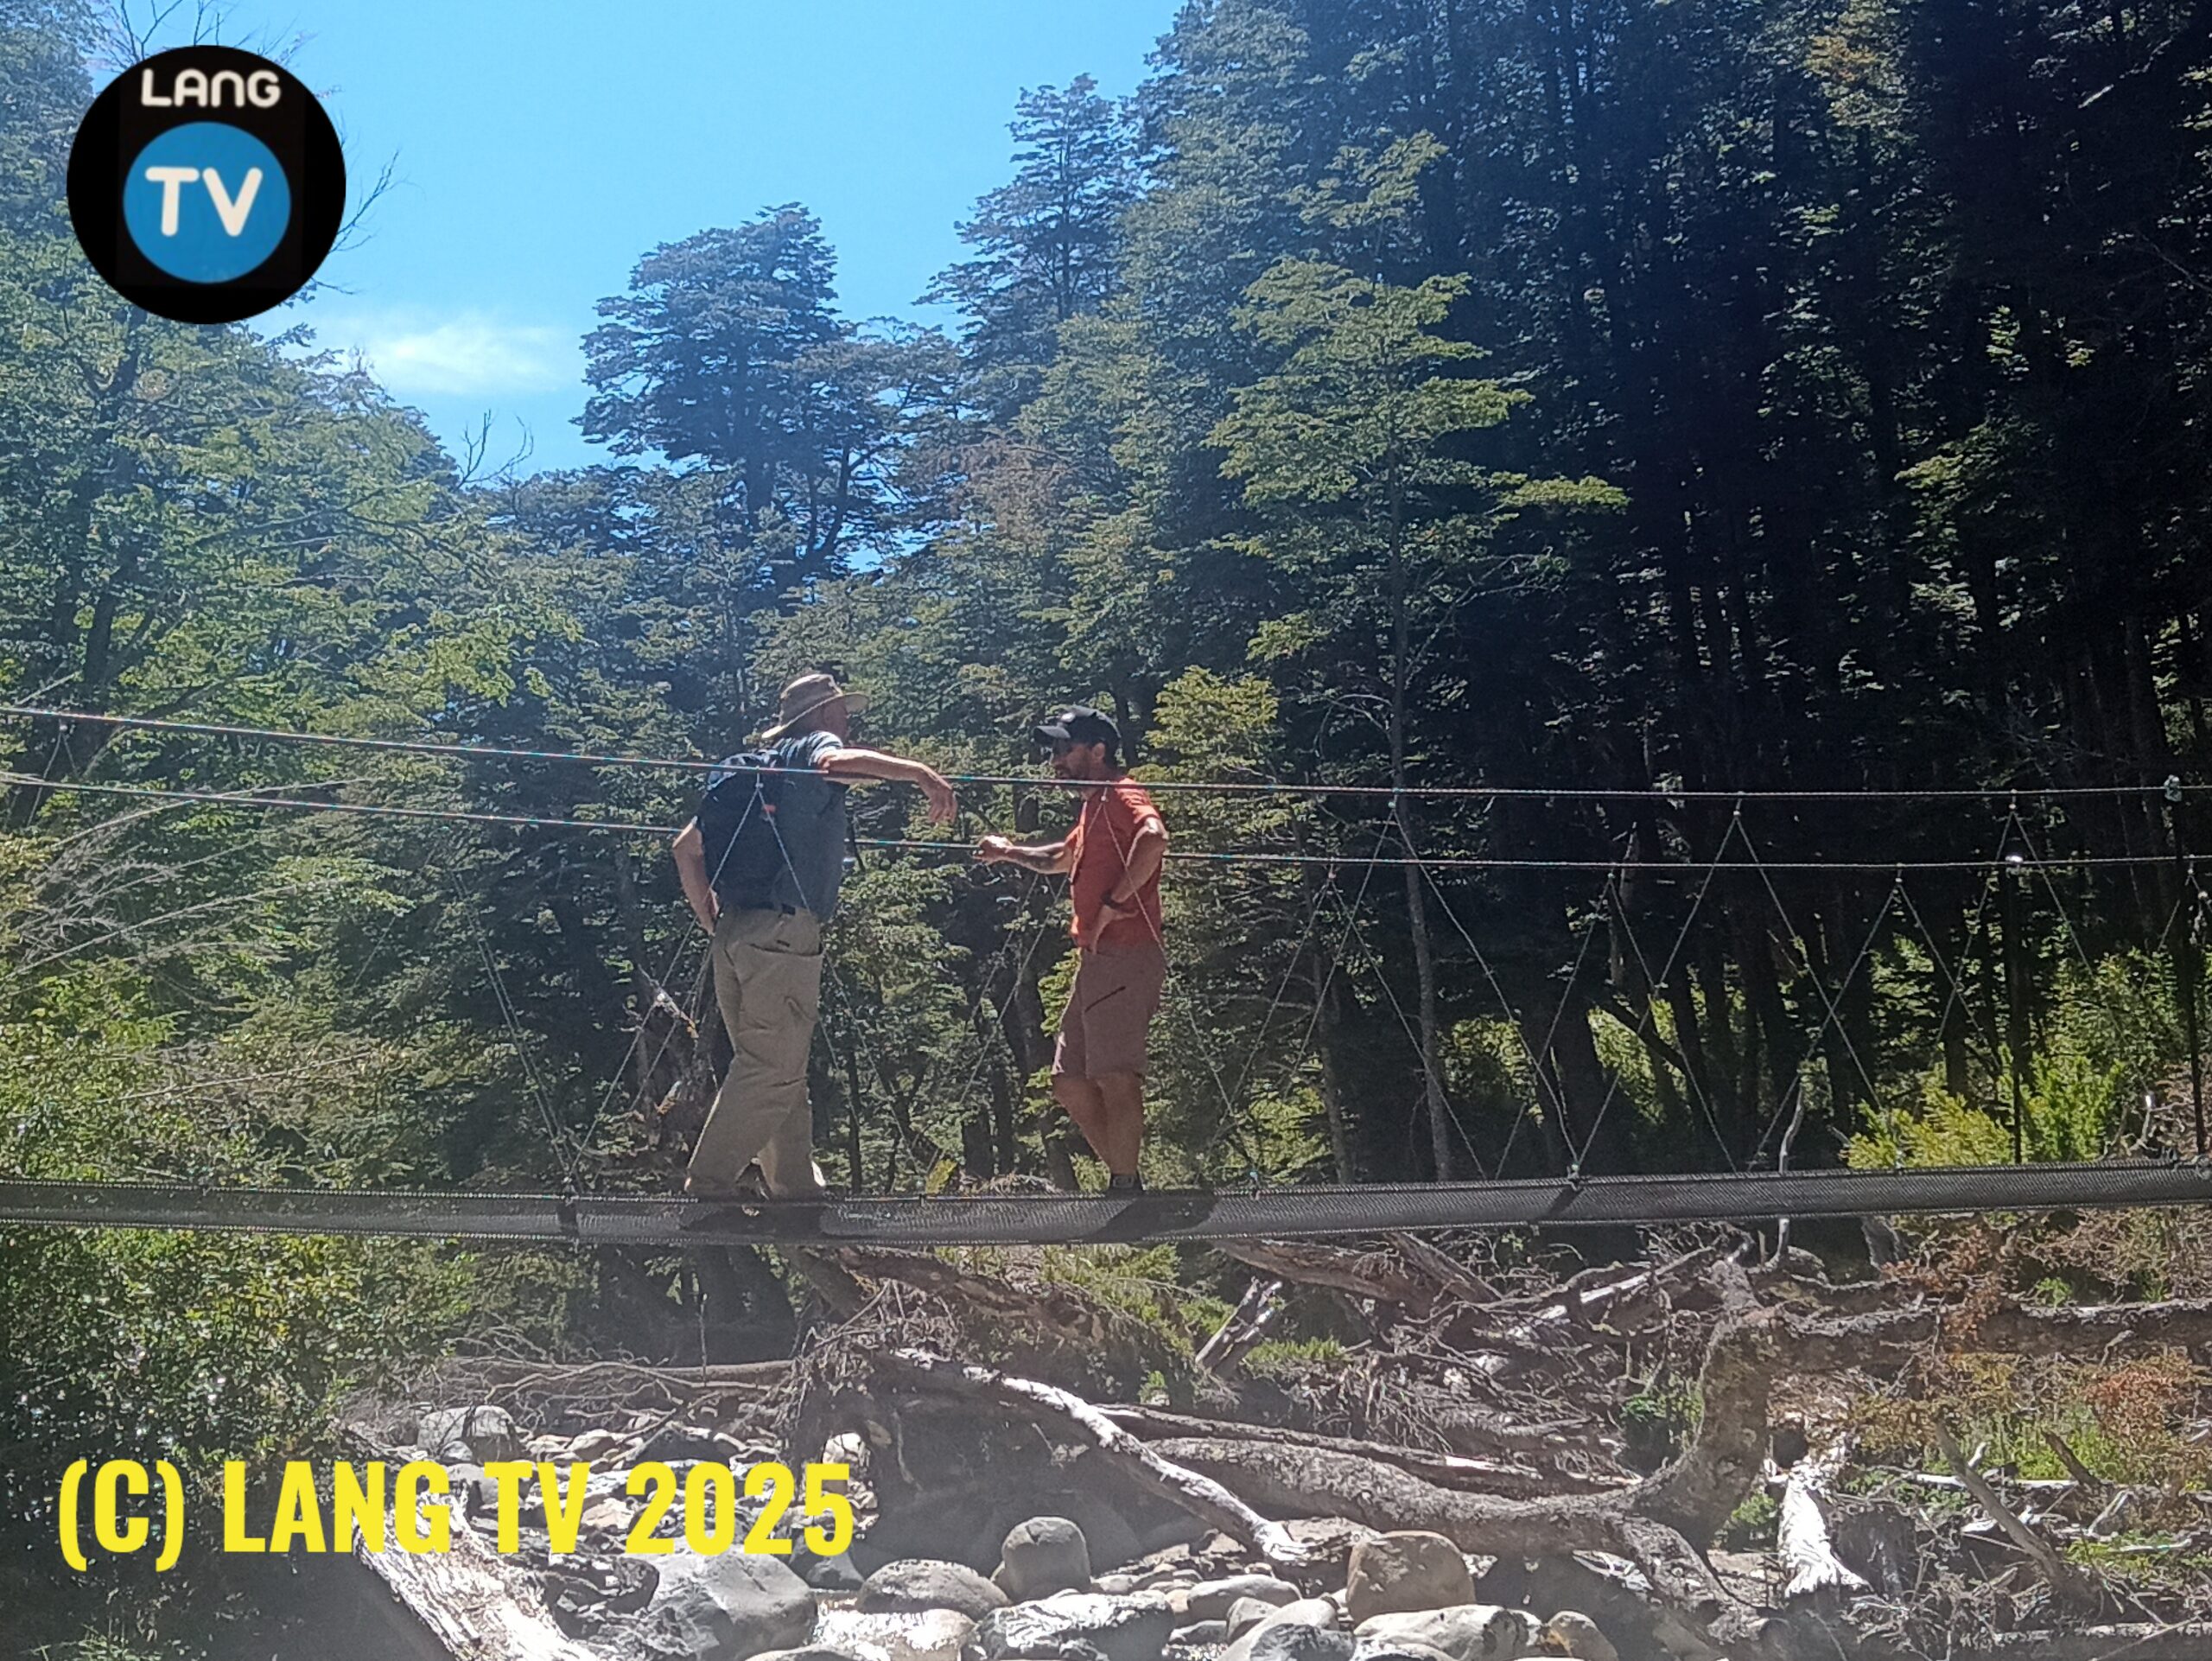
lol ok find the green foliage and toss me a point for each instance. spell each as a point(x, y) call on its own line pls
point(1288, 1358)
point(2072, 1116)
point(1657, 1421)
point(1751, 1525)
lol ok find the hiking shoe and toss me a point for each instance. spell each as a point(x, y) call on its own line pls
point(719, 1205)
point(1124, 1185)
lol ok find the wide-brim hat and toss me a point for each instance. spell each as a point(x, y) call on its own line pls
point(805, 695)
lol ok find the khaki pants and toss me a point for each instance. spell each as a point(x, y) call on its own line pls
point(768, 980)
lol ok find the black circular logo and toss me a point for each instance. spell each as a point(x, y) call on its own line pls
point(206, 185)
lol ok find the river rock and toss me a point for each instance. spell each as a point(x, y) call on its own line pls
point(1246, 1613)
point(1075, 1626)
point(1395, 1649)
point(1201, 1634)
point(1398, 1572)
point(1318, 1612)
point(905, 1635)
point(836, 1573)
point(1041, 1557)
point(1469, 1631)
point(1291, 1641)
point(930, 1583)
point(596, 1443)
point(728, 1607)
point(1209, 1599)
point(1572, 1633)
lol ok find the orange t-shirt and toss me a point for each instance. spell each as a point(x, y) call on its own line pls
point(1104, 832)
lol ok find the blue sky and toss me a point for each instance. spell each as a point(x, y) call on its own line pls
point(540, 148)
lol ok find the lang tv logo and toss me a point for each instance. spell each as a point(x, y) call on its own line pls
point(206, 185)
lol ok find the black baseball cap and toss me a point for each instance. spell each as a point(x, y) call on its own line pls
point(1080, 724)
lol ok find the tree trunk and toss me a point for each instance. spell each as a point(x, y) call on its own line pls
point(1439, 1110)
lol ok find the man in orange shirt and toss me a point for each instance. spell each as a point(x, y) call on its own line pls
point(1113, 857)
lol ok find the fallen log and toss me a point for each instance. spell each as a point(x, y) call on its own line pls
point(476, 1604)
point(1814, 1571)
point(2186, 1640)
point(1323, 1482)
point(1363, 1274)
point(1444, 1270)
point(2067, 1580)
point(1446, 1470)
point(1199, 1495)
point(1247, 1325)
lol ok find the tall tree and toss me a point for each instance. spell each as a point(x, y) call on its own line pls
point(1048, 243)
point(1348, 447)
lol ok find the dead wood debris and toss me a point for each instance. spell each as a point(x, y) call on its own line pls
point(1506, 1406)
point(1490, 1407)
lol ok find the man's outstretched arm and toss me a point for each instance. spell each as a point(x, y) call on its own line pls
point(1046, 858)
point(848, 763)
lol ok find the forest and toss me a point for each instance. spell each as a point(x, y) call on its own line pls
point(1709, 487)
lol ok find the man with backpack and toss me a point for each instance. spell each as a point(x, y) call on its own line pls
point(761, 865)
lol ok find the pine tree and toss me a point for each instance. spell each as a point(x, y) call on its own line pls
point(1048, 243)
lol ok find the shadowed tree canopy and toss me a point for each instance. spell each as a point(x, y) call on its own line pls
point(1048, 243)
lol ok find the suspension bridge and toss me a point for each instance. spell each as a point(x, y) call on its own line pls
point(1761, 1188)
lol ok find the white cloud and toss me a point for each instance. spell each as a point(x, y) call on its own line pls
point(469, 354)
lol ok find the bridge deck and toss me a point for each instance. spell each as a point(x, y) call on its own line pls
point(1072, 1220)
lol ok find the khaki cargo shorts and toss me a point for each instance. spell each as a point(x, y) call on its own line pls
point(1109, 1011)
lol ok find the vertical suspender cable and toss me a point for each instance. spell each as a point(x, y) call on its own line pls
point(2186, 967)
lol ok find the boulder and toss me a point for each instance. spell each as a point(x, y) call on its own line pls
point(930, 1583)
point(1209, 1599)
point(727, 1607)
point(1201, 1634)
point(605, 1517)
point(1395, 1649)
point(1318, 1613)
point(1395, 1574)
point(1468, 1631)
point(1573, 1633)
point(809, 1652)
point(1041, 1557)
point(1076, 1626)
point(1246, 1613)
point(907, 1635)
point(478, 1494)
point(1289, 1641)
point(479, 1434)
point(833, 1573)
point(596, 1443)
